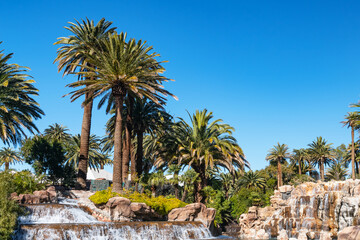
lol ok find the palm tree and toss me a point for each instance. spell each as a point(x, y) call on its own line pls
point(189, 178)
point(18, 109)
point(72, 57)
point(203, 145)
point(337, 171)
point(156, 179)
point(299, 157)
point(97, 158)
point(321, 154)
point(118, 69)
point(253, 180)
point(57, 132)
point(278, 155)
point(9, 156)
point(352, 120)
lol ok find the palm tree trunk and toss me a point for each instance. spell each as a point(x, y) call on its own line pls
point(183, 198)
point(199, 185)
point(139, 152)
point(357, 167)
point(117, 168)
point(279, 174)
point(153, 191)
point(322, 170)
point(84, 143)
point(7, 166)
point(352, 153)
point(299, 168)
point(125, 159)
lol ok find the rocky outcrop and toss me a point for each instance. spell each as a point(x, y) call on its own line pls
point(43, 196)
point(193, 212)
point(309, 211)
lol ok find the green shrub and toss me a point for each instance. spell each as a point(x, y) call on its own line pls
point(162, 205)
point(9, 209)
point(25, 182)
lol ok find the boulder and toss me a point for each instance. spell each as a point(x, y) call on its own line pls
point(193, 212)
point(325, 236)
point(52, 194)
point(43, 195)
point(144, 212)
point(261, 235)
point(28, 199)
point(282, 235)
point(349, 233)
point(119, 209)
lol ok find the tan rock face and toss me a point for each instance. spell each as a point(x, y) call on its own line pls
point(193, 212)
point(43, 196)
point(349, 233)
point(311, 210)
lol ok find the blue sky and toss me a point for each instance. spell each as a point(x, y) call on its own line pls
point(278, 71)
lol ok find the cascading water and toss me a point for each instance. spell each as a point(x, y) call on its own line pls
point(60, 221)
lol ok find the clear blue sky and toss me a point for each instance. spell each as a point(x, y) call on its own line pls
point(278, 71)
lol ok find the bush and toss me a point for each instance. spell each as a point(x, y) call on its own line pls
point(162, 205)
point(25, 182)
point(9, 209)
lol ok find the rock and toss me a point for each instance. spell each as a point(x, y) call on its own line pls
point(252, 213)
point(52, 193)
point(286, 188)
point(119, 209)
point(311, 235)
point(43, 195)
point(302, 235)
point(29, 199)
point(282, 235)
point(325, 236)
point(14, 196)
point(144, 212)
point(193, 212)
point(261, 235)
point(349, 233)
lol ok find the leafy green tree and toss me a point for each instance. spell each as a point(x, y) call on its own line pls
point(156, 179)
point(321, 154)
point(278, 155)
point(72, 58)
point(18, 108)
point(120, 68)
point(299, 158)
point(352, 120)
point(188, 179)
point(9, 156)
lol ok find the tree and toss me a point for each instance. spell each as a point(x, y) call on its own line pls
point(72, 58)
point(202, 145)
point(156, 179)
point(337, 171)
point(9, 156)
point(299, 157)
point(253, 180)
point(352, 120)
point(120, 68)
point(321, 154)
point(278, 155)
point(57, 132)
point(96, 157)
point(18, 108)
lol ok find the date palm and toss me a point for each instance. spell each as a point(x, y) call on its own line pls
point(278, 155)
point(9, 156)
point(117, 69)
point(252, 180)
point(18, 109)
point(57, 132)
point(72, 58)
point(321, 153)
point(352, 120)
point(203, 144)
point(337, 171)
point(97, 158)
point(299, 157)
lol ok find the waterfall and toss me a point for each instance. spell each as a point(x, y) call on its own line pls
point(61, 221)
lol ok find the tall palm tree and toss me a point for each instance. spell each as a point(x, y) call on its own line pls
point(204, 144)
point(97, 158)
point(321, 154)
point(299, 157)
point(72, 58)
point(18, 109)
point(57, 132)
point(9, 156)
point(352, 120)
point(337, 171)
point(117, 69)
point(278, 155)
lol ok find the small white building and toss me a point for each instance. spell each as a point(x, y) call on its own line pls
point(93, 174)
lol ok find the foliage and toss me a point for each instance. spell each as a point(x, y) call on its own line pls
point(9, 209)
point(47, 157)
point(25, 182)
point(252, 180)
point(9, 156)
point(299, 179)
point(160, 204)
